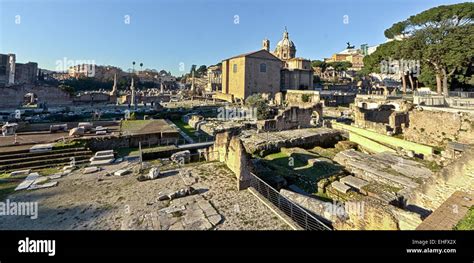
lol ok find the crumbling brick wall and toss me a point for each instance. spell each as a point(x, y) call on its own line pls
point(438, 128)
point(383, 119)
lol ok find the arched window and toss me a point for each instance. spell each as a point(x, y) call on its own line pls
point(263, 67)
point(235, 68)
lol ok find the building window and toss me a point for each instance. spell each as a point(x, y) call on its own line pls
point(263, 67)
point(234, 69)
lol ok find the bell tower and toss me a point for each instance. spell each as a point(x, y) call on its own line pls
point(266, 44)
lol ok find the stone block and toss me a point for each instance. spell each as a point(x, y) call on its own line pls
point(355, 182)
point(91, 169)
point(122, 172)
point(343, 188)
point(21, 172)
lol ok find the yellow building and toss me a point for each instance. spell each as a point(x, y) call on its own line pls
point(247, 74)
point(351, 55)
point(265, 72)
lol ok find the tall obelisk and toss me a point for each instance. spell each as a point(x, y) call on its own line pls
point(113, 93)
point(132, 98)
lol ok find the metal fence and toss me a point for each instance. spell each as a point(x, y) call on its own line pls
point(298, 214)
point(461, 94)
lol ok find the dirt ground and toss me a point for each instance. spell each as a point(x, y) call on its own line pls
point(96, 201)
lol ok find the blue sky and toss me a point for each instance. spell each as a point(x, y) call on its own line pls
point(164, 33)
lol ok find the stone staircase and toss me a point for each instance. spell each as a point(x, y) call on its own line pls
point(23, 159)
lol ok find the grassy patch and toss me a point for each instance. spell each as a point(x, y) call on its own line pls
point(328, 153)
point(6, 188)
point(130, 126)
point(467, 223)
point(380, 188)
point(68, 144)
point(301, 173)
point(190, 131)
point(48, 171)
point(432, 165)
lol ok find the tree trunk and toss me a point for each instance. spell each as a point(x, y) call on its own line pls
point(445, 83)
point(412, 84)
point(439, 86)
point(404, 84)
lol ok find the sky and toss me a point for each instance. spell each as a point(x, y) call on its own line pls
point(175, 34)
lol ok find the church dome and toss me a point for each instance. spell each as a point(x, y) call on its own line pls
point(285, 48)
point(285, 42)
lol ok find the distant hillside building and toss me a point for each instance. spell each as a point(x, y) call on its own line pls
point(353, 55)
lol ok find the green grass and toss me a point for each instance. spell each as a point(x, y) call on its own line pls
point(328, 153)
point(305, 176)
point(379, 188)
point(68, 144)
point(48, 171)
point(467, 223)
point(190, 131)
point(6, 188)
point(133, 125)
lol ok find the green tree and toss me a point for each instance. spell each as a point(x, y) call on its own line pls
point(339, 66)
point(202, 70)
point(440, 37)
point(256, 101)
point(319, 64)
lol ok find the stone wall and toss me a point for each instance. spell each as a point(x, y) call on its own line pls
point(379, 216)
point(223, 96)
point(272, 142)
point(301, 96)
point(294, 117)
point(228, 149)
point(437, 128)
point(369, 214)
point(35, 127)
point(129, 141)
point(262, 82)
point(382, 119)
point(92, 97)
point(456, 176)
point(12, 97)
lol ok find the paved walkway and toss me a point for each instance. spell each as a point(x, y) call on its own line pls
point(449, 213)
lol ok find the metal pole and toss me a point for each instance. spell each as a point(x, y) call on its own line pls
point(141, 157)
